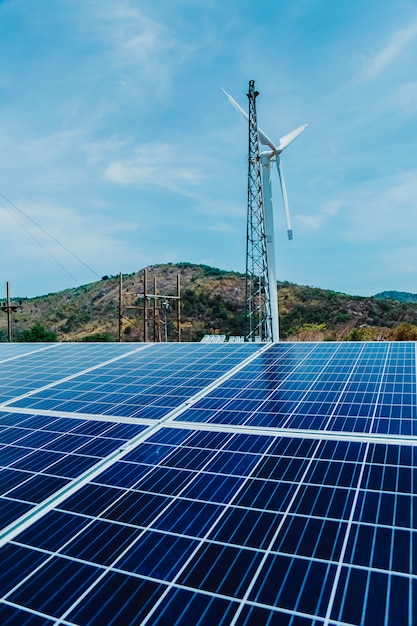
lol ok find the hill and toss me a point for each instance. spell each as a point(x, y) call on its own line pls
point(212, 301)
point(399, 296)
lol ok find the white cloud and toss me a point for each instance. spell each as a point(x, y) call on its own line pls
point(133, 41)
point(223, 227)
point(333, 207)
point(389, 53)
point(317, 220)
point(311, 222)
point(404, 97)
point(163, 165)
point(384, 210)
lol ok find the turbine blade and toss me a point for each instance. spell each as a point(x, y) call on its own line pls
point(235, 104)
point(263, 137)
point(284, 197)
point(289, 138)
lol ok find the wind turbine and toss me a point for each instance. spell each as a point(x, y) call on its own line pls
point(267, 157)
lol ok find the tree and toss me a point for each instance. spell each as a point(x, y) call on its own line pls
point(98, 337)
point(404, 332)
point(37, 333)
point(309, 332)
point(363, 333)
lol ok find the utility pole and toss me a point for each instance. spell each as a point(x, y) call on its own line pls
point(159, 301)
point(179, 306)
point(156, 320)
point(145, 305)
point(165, 309)
point(9, 308)
point(257, 302)
point(120, 306)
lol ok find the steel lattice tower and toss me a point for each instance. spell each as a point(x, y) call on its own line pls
point(258, 304)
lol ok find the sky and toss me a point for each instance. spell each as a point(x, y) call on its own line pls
point(119, 150)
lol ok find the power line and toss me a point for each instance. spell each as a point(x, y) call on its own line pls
point(39, 243)
point(50, 236)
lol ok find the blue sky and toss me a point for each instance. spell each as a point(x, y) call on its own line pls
point(117, 140)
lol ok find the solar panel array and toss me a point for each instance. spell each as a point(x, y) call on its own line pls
point(208, 484)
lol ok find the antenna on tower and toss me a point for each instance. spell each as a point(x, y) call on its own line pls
point(258, 301)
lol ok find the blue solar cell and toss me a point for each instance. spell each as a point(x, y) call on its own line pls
point(170, 436)
point(35, 439)
point(224, 570)
point(267, 617)
point(17, 562)
point(245, 527)
point(92, 499)
point(9, 455)
point(188, 518)
point(324, 502)
point(100, 542)
point(52, 531)
point(188, 458)
point(37, 488)
point(123, 431)
point(136, 508)
point(37, 460)
point(294, 584)
point(213, 488)
point(182, 606)
point(284, 468)
point(164, 480)
point(11, 616)
point(296, 523)
point(70, 580)
point(99, 446)
point(11, 435)
point(226, 462)
point(148, 453)
point(122, 474)
point(66, 443)
point(10, 510)
point(9, 478)
point(158, 555)
point(118, 599)
point(138, 393)
point(71, 466)
point(311, 537)
point(92, 427)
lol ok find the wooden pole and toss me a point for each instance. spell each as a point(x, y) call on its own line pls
point(179, 306)
point(9, 313)
point(145, 307)
point(120, 306)
point(155, 321)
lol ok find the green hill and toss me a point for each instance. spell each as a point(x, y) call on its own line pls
point(398, 296)
point(212, 301)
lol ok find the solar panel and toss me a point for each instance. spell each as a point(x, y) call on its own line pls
point(144, 383)
point(245, 484)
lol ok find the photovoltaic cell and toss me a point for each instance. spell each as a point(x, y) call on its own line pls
point(37, 367)
point(339, 387)
point(283, 494)
point(144, 384)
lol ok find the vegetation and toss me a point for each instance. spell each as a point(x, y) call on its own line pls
point(37, 333)
point(98, 337)
point(399, 296)
point(212, 302)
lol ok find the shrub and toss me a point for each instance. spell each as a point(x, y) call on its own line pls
point(404, 332)
point(98, 337)
point(37, 333)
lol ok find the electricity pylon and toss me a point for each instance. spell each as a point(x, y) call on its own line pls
point(258, 300)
